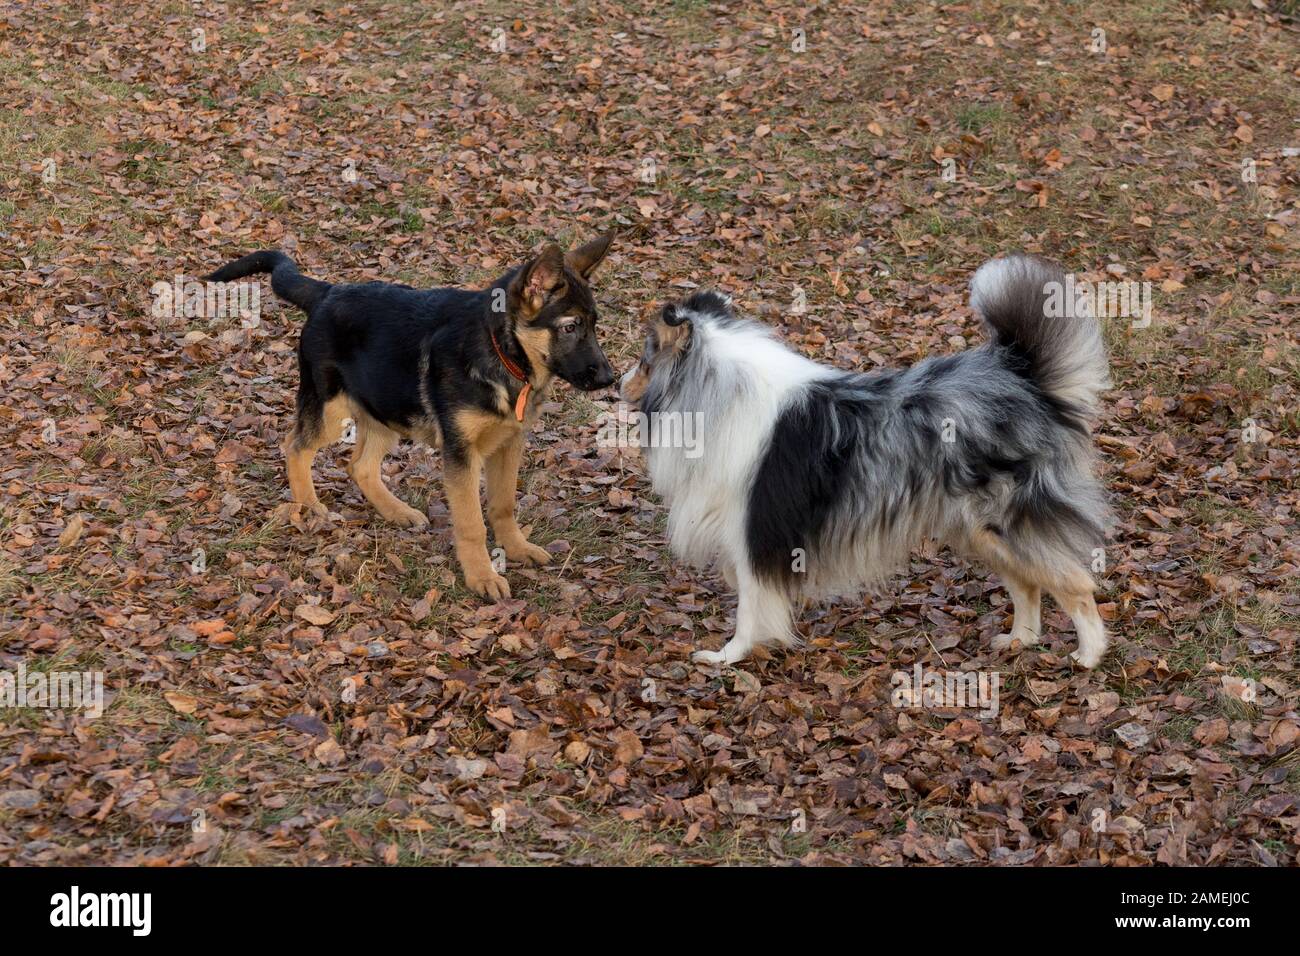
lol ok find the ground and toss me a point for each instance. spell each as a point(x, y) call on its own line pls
point(328, 692)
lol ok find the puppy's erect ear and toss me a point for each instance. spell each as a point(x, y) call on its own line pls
point(584, 259)
point(538, 280)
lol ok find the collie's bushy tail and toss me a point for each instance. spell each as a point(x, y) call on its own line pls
point(1056, 337)
point(1058, 512)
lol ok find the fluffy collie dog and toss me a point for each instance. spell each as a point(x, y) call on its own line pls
point(812, 482)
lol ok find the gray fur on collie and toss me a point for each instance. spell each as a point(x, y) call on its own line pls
point(816, 482)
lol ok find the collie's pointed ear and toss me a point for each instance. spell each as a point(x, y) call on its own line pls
point(584, 259)
point(673, 330)
point(673, 314)
point(709, 302)
point(537, 281)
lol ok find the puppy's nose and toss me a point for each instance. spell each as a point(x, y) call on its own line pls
point(600, 376)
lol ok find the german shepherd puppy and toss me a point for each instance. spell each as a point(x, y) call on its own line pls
point(464, 370)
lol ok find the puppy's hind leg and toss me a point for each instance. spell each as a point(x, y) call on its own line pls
point(318, 423)
point(762, 617)
point(374, 441)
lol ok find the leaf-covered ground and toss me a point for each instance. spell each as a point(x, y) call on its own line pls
point(1163, 149)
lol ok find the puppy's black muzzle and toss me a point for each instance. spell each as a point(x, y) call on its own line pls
point(596, 376)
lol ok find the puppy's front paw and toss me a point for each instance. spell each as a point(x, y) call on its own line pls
point(487, 583)
point(528, 553)
point(310, 508)
point(409, 518)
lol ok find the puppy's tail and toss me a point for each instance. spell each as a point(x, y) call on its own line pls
point(1052, 335)
point(287, 282)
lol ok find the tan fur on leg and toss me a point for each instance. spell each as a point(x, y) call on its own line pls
point(1026, 626)
point(502, 483)
point(374, 441)
point(300, 449)
point(1082, 608)
point(1070, 584)
point(470, 532)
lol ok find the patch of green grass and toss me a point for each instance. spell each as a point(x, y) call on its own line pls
point(978, 116)
point(594, 840)
point(1180, 728)
point(12, 578)
point(1209, 511)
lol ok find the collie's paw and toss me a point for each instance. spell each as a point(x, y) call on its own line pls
point(731, 653)
point(488, 584)
point(409, 518)
point(1004, 642)
point(528, 553)
point(1087, 659)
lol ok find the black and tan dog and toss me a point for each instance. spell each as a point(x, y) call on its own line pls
point(463, 369)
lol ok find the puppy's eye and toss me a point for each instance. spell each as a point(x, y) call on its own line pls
point(568, 327)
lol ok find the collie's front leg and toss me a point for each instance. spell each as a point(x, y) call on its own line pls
point(762, 617)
